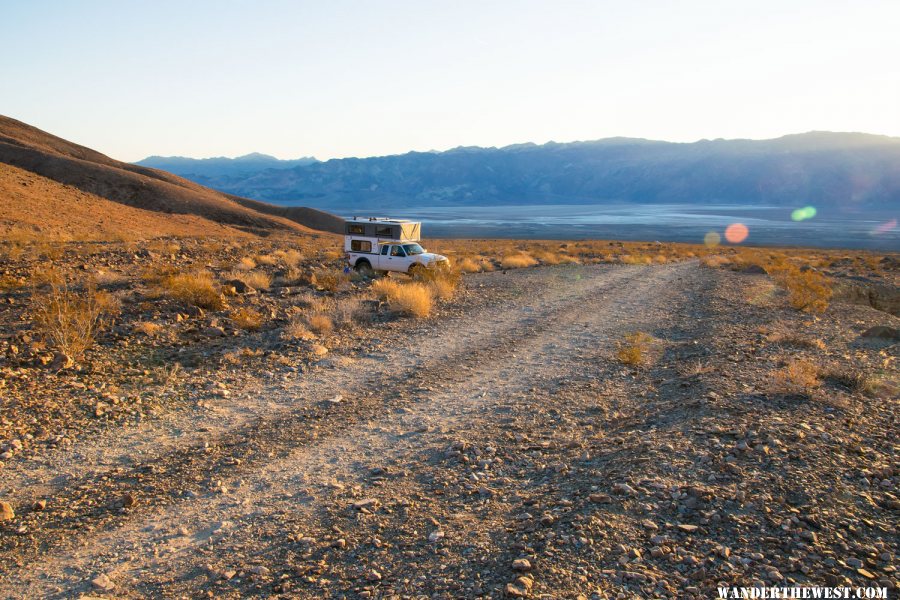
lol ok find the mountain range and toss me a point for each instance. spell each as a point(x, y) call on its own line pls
point(855, 170)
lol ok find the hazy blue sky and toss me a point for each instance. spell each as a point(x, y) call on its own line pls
point(339, 78)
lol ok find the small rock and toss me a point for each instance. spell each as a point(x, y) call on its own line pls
point(129, 500)
point(61, 361)
point(434, 536)
point(39, 505)
point(366, 504)
point(239, 287)
point(648, 524)
point(6, 511)
point(102, 582)
point(687, 528)
point(516, 591)
point(521, 564)
point(624, 488)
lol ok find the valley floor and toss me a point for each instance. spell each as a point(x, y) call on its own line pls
point(502, 449)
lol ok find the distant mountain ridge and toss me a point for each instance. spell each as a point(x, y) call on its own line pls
point(220, 169)
point(823, 168)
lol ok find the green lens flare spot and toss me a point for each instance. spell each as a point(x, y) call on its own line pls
point(803, 214)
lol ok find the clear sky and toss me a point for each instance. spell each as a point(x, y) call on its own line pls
point(337, 78)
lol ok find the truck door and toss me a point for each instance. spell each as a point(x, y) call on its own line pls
point(382, 258)
point(397, 259)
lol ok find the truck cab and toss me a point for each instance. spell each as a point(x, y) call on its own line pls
point(380, 244)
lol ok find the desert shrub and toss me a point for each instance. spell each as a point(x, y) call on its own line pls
point(330, 280)
point(798, 376)
point(247, 318)
point(320, 323)
point(259, 280)
point(468, 265)
point(443, 288)
point(413, 299)
point(548, 258)
point(148, 328)
point(636, 259)
point(246, 264)
point(70, 319)
point(634, 348)
point(157, 274)
point(296, 329)
point(267, 259)
point(347, 311)
point(309, 302)
point(808, 290)
point(384, 288)
point(714, 261)
point(291, 258)
point(197, 288)
point(518, 261)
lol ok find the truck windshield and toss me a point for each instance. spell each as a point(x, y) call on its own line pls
point(413, 249)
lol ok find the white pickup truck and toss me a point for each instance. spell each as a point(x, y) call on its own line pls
point(376, 244)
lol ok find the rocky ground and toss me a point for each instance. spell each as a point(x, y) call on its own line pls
point(506, 447)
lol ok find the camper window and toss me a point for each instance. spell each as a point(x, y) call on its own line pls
point(360, 246)
point(384, 231)
point(357, 229)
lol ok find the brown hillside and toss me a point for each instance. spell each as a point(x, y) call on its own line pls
point(34, 207)
point(310, 217)
point(54, 158)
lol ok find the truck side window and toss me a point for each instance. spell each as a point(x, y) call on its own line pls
point(397, 251)
point(384, 250)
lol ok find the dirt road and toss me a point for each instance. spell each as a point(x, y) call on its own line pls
point(503, 450)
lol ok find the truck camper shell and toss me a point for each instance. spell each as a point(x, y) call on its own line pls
point(383, 229)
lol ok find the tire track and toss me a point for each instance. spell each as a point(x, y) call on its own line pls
point(165, 483)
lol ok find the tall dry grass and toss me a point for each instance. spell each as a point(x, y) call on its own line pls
point(70, 319)
point(413, 299)
point(518, 261)
point(197, 288)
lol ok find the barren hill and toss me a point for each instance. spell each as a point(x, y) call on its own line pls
point(35, 207)
point(152, 191)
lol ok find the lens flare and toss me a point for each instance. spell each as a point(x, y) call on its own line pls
point(736, 233)
point(885, 227)
point(712, 239)
point(802, 214)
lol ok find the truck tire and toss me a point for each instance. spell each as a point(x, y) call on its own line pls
point(417, 271)
point(364, 267)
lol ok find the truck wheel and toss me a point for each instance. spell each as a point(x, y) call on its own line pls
point(417, 272)
point(364, 268)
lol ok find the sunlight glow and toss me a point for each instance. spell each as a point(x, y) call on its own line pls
point(736, 233)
